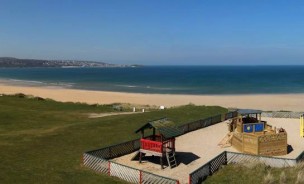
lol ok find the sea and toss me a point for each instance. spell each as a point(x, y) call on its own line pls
point(207, 80)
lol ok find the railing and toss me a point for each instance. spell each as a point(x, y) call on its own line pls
point(116, 150)
point(226, 157)
point(151, 145)
point(170, 143)
point(233, 158)
point(154, 138)
point(97, 160)
point(300, 158)
point(200, 174)
point(282, 114)
point(202, 123)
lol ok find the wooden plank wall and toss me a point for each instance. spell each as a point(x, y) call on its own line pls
point(273, 145)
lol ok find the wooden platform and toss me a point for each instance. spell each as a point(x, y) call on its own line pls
point(151, 152)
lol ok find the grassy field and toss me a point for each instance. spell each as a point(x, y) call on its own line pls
point(42, 141)
point(251, 173)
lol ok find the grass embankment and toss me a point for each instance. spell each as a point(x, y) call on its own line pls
point(43, 141)
point(252, 173)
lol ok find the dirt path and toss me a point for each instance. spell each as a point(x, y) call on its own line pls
point(100, 115)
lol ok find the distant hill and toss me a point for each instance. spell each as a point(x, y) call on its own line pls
point(10, 62)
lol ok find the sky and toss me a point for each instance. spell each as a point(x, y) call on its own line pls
point(155, 32)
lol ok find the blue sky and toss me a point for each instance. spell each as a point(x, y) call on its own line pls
point(206, 32)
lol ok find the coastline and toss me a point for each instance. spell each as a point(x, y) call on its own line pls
point(291, 102)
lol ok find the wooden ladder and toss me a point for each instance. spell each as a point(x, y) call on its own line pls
point(171, 158)
point(226, 141)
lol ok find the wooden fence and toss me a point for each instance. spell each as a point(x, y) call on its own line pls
point(98, 160)
point(200, 174)
point(202, 123)
point(282, 114)
point(116, 150)
point(226, 157)
point(233, 158)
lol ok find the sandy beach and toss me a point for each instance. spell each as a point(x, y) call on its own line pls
point(292, 102)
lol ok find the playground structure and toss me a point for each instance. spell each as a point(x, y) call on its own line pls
point(162, 141)
point(197, 150)
point(248, 134)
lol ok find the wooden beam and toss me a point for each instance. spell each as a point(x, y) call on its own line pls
point(140, 156)
point(153, 134)
point(161, 162)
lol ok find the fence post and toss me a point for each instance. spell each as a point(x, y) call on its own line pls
point(140, 177)
point(210, 171)
point(110, 152)
point(226, 159)
point(109, 168)
point(188, 127)
point(133, 144)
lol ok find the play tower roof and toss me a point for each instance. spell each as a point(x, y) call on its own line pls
point(165, 127)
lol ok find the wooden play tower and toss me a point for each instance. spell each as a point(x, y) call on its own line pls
point(249, 134)
point(161, 142)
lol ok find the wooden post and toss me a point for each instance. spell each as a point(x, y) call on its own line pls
point(260, 118)
point(258, 146)
point(153, 134)
point(140, 153)
point(161, 161)
point(140, 176)
point(140, 156)
point(173, 145)
point(110, 152)
point(226, 159)
point(109, 168)
point(162, 151)
point(243, 143)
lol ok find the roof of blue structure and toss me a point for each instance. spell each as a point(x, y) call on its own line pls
point(244, 112)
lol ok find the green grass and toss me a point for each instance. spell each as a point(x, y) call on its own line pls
point(42, 141)
point(251, 173)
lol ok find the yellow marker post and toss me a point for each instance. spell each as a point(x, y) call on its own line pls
point(302, 126)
